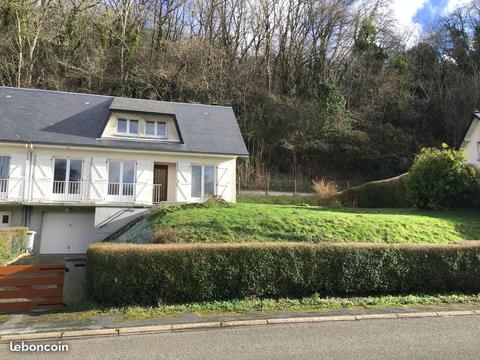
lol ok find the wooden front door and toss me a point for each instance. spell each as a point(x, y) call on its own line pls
point(160, 178)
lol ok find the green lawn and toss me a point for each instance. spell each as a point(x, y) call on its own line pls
point(262, 222)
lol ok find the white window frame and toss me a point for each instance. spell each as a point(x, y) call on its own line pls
point(155, 126)
point(121, 183)
point(478, 150)
point(66, 186)
point(128, 132)
point(4, 181)
point(202, 181)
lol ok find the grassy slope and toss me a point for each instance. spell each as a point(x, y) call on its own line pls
point(260, 222)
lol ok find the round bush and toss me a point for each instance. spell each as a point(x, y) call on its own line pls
point(440, 179)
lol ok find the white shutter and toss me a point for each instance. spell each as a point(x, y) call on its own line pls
point(16, 177)
point(43, 177)
point(99, 178)
point(184, 182)
point(86, 178)
point(144, 181)
point(223, 180)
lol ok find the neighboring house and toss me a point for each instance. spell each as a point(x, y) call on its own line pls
point(77, 167)
point(471, 141)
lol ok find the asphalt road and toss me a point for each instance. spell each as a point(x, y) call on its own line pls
point(427, 338)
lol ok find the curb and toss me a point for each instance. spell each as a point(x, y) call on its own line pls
point(135, 330)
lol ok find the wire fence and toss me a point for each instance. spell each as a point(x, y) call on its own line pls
point(281, 185)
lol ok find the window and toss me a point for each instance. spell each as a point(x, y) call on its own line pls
point(203, 181)
point(121, 178)
point(478, 150)
point(4, 173)
point(67, 176)
point(5, 219)
point(122, 126)
point(127, 126)
point(155, 128)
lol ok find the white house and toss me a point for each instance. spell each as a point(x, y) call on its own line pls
point(77, 167)
point(471, 141)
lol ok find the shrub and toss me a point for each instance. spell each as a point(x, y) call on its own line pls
point(324, 187)
point(440, 179)
point(152, 274)
point(389, 193)
point(12, 241)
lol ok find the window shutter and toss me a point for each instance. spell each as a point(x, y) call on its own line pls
point(43, 177)
point(223, 180)
point(184, 182)
point(144, 181)
point(16, 183)
point(99, 178)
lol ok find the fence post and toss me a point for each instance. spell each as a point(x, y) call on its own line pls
point(238, 186)
point(267, 186)
point(294, 187)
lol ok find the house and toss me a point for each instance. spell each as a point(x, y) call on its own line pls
point(471, 141)
point(77, 167)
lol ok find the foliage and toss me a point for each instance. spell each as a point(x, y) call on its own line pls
point(439, 179)
point(166, 274)
point(12, 242)
point(389, 193)
point(264, 223)
point(324, 188)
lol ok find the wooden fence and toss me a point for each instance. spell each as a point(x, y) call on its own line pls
point(31, 287)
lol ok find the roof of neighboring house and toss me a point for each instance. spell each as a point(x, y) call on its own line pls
point(475, 117)
point(62, 118)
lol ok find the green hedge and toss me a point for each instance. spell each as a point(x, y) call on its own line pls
point(12, 242)
point(388, 193)
point(122, 274)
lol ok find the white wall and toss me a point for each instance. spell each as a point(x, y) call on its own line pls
point(469, 145)
point(90, 155)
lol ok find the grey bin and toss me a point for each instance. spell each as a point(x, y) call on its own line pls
point(75, 281)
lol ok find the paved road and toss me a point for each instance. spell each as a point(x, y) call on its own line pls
point(427, 338)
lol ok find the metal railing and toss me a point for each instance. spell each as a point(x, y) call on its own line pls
point(157, 194)
point(14, 190)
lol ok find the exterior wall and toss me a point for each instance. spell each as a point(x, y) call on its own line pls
point(470, 146)
point(39, 159)
point(111, 219)
point(16, 213)
point(35, 219)
point(111, 127)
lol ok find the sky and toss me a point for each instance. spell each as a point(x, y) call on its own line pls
point(415, 15)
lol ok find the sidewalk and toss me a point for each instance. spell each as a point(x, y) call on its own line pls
point(56, 325)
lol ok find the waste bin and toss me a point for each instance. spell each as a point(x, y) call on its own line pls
point(30, 240)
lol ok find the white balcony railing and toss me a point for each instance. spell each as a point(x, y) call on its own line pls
point(15, 190)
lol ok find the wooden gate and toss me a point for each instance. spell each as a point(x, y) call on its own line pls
point(31, 287)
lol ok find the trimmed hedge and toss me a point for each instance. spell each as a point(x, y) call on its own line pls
point(388, 193)
point(12, 242)
point(125, 274)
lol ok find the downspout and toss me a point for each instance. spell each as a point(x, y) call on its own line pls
point(27, 183)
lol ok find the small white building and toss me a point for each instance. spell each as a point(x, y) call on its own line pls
point(77, 167)
point(471, 141)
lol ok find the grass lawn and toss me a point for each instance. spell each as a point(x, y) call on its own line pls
point(90, 312)
point(262, 222)
point(278, 200)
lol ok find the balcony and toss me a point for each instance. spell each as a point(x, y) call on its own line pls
point(83, 192)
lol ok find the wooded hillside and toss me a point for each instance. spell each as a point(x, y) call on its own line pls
point(320, 87)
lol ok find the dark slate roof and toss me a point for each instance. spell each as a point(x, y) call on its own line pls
point(61, 118)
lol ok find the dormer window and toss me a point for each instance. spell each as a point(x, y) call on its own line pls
point(155, 128)
point(127, 126)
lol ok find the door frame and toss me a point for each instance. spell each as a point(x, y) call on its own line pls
point(164, 189)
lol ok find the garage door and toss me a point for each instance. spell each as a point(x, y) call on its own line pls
point(66, 232)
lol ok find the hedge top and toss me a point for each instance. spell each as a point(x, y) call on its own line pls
point(120, 248)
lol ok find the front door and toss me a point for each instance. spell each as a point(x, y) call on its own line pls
point(160, 178)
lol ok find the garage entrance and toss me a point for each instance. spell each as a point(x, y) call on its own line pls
point(67, 232)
